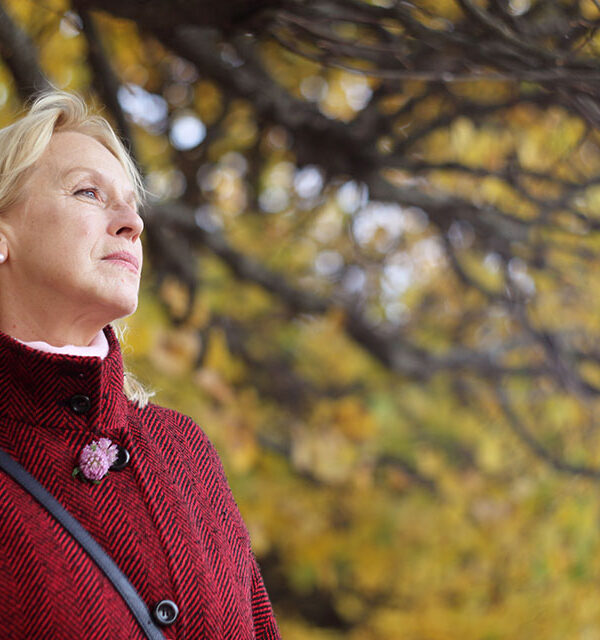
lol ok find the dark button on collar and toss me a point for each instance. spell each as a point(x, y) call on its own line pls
point(165, 612)
point(122, 459)
point(80, 403)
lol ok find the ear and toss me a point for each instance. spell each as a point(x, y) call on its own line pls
point(3, 248)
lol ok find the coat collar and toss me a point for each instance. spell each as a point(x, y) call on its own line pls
point(62, 391)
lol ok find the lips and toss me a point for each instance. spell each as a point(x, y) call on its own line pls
point(128, 259)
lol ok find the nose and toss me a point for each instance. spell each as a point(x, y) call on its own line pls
point(126, 221)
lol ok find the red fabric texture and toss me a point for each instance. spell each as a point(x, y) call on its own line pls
point(168, 519)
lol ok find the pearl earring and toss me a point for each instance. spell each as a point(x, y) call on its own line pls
point(2, 258)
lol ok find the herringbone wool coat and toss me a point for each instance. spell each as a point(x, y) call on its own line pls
point(167, 519)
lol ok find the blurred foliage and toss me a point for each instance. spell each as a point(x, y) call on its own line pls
point(384, 502)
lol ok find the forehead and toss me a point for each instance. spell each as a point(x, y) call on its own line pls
point(68, 151)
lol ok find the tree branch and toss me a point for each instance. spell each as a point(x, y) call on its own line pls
point(527, 438)
point(20, 56)
point(393, 351)
point(105, 79)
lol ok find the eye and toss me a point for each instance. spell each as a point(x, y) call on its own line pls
point(88, 192)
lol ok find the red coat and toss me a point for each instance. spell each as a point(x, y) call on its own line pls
point(167, 519)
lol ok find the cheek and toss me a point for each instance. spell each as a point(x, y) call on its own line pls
point(68, 252)
point(79, 241)
point(85, 237)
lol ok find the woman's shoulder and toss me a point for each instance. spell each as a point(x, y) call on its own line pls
point(155, 416)
point(190, 453)
point(156, 411)
point(175, 426)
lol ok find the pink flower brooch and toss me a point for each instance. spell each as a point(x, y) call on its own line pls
point(96, 459)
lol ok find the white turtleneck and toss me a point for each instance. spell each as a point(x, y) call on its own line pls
point(97, 348)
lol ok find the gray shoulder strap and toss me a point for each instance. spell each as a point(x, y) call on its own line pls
point(95, 551)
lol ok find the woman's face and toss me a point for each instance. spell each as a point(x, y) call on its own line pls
point(74, 235)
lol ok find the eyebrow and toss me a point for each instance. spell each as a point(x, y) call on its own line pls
point(98, 176)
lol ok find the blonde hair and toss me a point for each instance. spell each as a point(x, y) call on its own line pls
point(132, 387)
point(23, 143)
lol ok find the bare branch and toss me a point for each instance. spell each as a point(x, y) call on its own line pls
point(20, 56)
point(527, 438)
point(164, 13)
point(105, 78)
point(392, 350)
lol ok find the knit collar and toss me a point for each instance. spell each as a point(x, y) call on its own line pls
point(50, 389)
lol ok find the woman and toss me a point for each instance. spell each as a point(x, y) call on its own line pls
point(143, 480)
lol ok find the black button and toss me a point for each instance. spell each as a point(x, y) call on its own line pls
point(80, 403)
point(122, 459)
point(165, 612)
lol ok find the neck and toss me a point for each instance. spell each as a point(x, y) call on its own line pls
point(42, 316)
point(56, 329)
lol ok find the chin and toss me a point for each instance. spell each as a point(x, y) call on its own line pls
point(127, 310)
point(121, 307)
point(110, 300)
